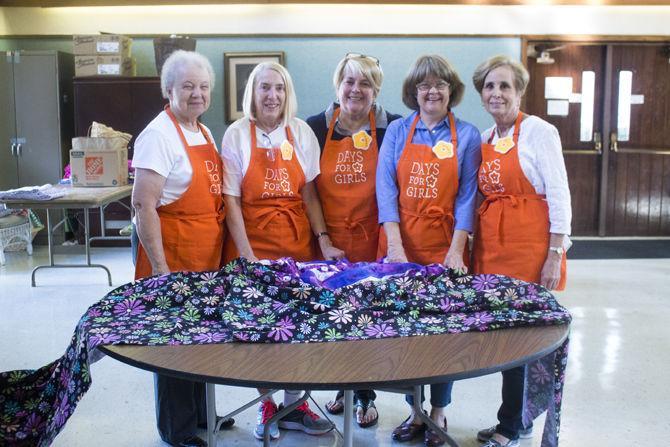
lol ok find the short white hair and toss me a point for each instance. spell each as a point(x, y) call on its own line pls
point(176, 62)
point(290, 103)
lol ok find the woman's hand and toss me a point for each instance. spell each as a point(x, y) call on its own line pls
point(551, 271)
point(249, 256)
point(455, 262)
point(160, 270)
point(236, 229)
point(147, 191)
point(329, 252)
point(454, 257)
point(395, 251)
point(318, 224)
point(550, 275)
point(396, 254)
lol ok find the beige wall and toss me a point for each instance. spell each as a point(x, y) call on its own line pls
point(339, 19)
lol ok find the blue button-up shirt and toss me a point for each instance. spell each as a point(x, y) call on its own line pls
point(469, 157)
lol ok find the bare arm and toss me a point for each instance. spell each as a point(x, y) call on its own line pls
point(454, 257)
point(551, 270)
point(395, 252)
point(317, 222)
point(147, 191)
point(235, 223)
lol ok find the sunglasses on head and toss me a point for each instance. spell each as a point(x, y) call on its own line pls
point(362, 56)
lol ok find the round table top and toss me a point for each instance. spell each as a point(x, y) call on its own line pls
point(356, 364)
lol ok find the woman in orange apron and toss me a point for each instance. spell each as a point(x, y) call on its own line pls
point(426, 186)
point(179, 215)
point(350, 132)
point(272, 159)
point(524, 220)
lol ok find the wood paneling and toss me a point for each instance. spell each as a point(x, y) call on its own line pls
point(583, 177)
point(638, 195)
point(582, 163)
point(127, 104)
point(635, 187)
point(639, 198)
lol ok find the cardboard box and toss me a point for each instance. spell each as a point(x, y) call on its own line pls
point(99, 161)
point(102, 44)
point(103, 65)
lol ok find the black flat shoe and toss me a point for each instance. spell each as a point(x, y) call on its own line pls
point(192, 441)
point(336, 406)
point(225, 425)
point(365, 404)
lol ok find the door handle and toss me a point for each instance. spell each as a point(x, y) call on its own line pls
point(19, 146)
point(598, 142)
point(614, 142)
point(13, 149)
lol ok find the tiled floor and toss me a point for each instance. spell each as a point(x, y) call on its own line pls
point(616, 392)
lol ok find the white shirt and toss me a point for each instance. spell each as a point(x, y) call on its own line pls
point(160, 149)
point(541, 159)
point(236, 150)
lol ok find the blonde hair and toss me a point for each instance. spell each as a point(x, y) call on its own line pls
point(519, 72)
point(360, 65)
point(176, 62)
point(290, 102)
point(432, 65)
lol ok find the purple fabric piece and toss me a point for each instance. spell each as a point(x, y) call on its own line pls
point(337, 274)
point(269, 303)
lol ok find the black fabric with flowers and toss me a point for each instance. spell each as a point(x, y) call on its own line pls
point(287, 302)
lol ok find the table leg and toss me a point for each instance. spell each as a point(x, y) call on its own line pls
point(429, 422)
point(87, 244)
point(103, 232)
point(348, 437)
point(212, 429)
point(51, 253)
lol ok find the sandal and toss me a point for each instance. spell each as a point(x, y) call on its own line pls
point(365, 404)
point(336, 406)
point(408, 431)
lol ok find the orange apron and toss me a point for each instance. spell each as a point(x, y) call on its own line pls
point(347, 191)
point(427, 190)
point(192, 226)
point(512, 235)
point(272, 207)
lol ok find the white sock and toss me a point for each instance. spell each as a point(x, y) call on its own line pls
point(291, 396)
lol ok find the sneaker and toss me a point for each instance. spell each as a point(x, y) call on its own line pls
point(494, 443)
point(266, 410)
point(304, 419)
point(485, 434)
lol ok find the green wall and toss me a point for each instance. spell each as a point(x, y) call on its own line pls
point(311, 61)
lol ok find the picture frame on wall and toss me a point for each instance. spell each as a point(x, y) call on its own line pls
point(236, 70)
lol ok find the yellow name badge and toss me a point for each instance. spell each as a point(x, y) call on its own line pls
point(361, 140)
point(286, 150)
point(443, 150)
point(504, 145)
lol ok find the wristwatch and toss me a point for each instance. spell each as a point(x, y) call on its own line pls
point(558, 250)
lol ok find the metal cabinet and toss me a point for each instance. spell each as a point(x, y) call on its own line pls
point(125, 103)
point(36, 116)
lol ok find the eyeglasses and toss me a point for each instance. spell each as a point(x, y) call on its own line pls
point(362, 56)
point(440, 86)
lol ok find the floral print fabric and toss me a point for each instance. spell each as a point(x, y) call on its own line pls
point(286, 302)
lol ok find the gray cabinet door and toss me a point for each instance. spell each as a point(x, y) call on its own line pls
point(37, 118)
point(8, 162)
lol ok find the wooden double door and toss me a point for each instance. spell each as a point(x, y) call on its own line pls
point(611, 104)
